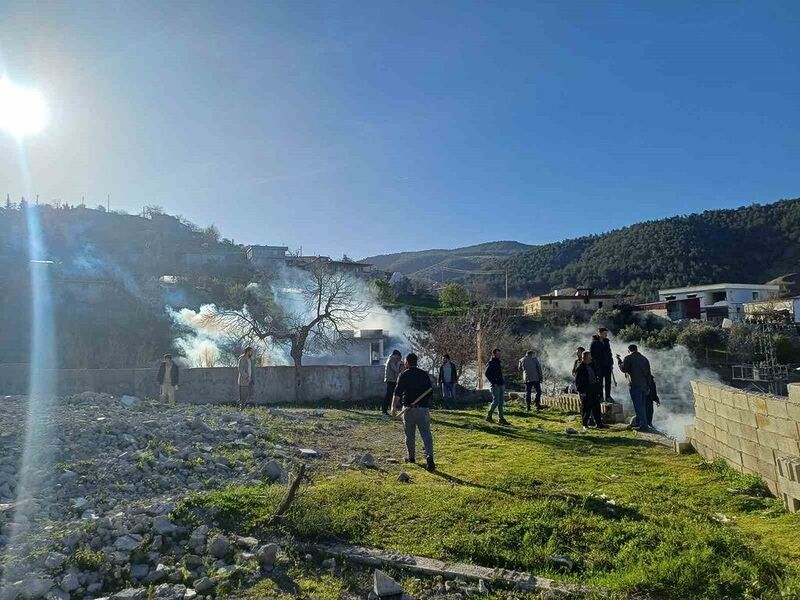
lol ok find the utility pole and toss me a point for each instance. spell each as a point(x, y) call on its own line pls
point(108, 203)
point(506, 287)
point(479, 340)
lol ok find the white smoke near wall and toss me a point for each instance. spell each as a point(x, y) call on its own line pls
point(673, 370)
point(204, 339)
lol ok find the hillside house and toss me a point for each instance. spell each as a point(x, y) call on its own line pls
point(266, 257)
point(722, 300)
point(673, 310)
point(584, 300)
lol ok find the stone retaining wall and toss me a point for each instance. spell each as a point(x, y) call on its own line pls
point(753, 433)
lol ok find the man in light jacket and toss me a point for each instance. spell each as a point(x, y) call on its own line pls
point(391, 371)
point(448, 377)
point(246, 377)
point(168, 378)
point(531, 371)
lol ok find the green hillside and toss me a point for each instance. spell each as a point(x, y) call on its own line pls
point(749, 244)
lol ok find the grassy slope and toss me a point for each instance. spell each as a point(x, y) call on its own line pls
point(513, 498)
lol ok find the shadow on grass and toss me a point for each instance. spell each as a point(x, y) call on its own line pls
point(551, 438)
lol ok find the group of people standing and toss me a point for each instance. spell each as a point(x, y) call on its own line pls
point(594, 372)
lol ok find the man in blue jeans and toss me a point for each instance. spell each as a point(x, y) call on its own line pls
point(494, 373)
point(637, 368)
point(448, 377)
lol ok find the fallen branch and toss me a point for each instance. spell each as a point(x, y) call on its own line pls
point(293, 487)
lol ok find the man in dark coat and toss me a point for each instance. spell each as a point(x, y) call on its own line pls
point(168, 378)
point(603, 360)
point(494, 373)
point(588, 384)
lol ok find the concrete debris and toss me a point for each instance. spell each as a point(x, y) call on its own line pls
point(385, 587)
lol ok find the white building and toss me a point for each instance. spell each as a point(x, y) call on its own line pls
point(722, 300)
point(785, 310)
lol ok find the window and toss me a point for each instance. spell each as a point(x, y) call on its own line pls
point(600, 304)
point(555, 303)
point(691, 295)
point(670, 297)
point(755, 295)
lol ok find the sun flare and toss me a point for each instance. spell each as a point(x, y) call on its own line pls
point(22, 110)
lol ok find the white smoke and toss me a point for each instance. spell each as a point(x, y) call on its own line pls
point(673, 370)
point(206, 339)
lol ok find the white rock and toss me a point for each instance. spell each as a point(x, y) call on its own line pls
point(385, 587)
point(128, 401)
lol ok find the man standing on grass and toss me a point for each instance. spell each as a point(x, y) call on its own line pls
point(532, 375)
point(637, 368)
point(603, 360)
point(391, 372)
point(168, 378)
point(588, 384)
point(494, 373)
point(448, 379)
point(413, 393)
point(246, 377)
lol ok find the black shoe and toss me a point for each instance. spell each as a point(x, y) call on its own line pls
point(601, 426)
point(430, 465)
point(504, 422)
point(489, 419)
point(412, 461)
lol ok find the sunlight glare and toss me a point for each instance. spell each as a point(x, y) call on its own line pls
point(22, 110)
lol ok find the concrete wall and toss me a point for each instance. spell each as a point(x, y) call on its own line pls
point(753, 433)
point(285, 385)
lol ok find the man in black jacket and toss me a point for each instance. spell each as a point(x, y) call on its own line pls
point(587, 383)
point(413, 392)
point(168, 378)
point(494, 373)
point(603, 361)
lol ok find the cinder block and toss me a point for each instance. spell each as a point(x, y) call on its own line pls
point(794, 393)
point(765, 453)
point(748, 447)
point(777, 408)
point(726, 438)
point(683, 447)
point(704, 426)
point(743, 431)
point(740, 401)
point(766, 470)
point(783, 427)
point(793, 410)
point(758, 403)
point(777, 442)
point(732, 456)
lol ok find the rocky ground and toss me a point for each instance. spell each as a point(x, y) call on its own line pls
point(98, 522)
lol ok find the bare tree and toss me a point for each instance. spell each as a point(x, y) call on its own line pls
point(458, 337)
point(311, 317)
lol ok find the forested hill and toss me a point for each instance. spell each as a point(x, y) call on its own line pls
point(433, 262)
point(752, 244)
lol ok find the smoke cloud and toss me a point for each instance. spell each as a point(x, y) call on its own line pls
point(673, 369)
point(205, 343)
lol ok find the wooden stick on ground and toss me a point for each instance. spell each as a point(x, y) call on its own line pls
point(293, 487)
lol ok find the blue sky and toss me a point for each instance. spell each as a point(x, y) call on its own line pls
point(372, 127)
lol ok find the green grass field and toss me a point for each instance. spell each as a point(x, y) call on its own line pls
point(632, 516)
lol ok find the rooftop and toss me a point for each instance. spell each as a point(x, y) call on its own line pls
point(721, 286)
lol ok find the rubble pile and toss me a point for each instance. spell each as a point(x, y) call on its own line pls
point(98, 521)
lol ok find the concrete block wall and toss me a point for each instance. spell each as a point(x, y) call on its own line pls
point(285, 385)
point(753, 433)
